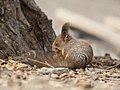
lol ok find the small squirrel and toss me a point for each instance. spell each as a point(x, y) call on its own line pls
point(73, 53)
point(67, 52)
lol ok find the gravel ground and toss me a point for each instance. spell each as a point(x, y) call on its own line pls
point(19, 76)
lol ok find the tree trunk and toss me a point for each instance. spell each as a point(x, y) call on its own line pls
point(24, 27)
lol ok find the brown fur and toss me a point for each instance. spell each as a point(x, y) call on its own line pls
point(74, 53)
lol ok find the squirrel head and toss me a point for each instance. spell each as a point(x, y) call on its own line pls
point(62, 40)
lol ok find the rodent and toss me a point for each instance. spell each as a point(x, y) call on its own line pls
point(73, 53)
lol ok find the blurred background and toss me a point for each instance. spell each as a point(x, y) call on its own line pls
point(97, 21)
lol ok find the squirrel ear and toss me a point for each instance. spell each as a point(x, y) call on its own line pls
point(64, 32)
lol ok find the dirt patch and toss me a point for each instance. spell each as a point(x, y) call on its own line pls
point(19, 76)
point(105, 62)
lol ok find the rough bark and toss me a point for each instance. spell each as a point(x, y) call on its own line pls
point(24, 27)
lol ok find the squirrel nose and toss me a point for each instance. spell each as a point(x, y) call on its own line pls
point(53, 50)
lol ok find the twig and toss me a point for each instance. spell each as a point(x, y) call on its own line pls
point(49, 64)
point(39, 62)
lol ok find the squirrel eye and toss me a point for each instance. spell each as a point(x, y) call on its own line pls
point(56, 44)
